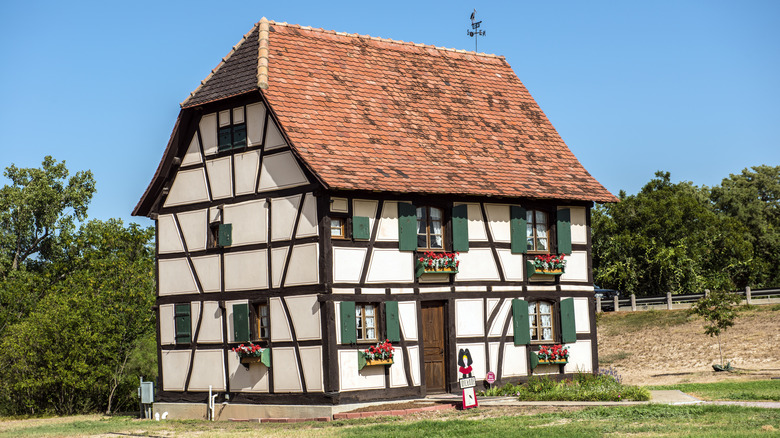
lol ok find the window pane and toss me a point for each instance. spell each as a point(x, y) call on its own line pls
point(421, 241)
point(533, 333)
point(532, 308)
point(421, 225)
point(369, 310)
point(370, 334)
point(542, 245)
point(545, 307)
point(436, 227)
point(436, 242)
point(547, 334)
point(420, 213)
point(541, 230)
point(370, 322)
point(541, 217)
point(529, 230)
point(529, 216)
point(435, 213)
point(264, 310)
point(546, 321)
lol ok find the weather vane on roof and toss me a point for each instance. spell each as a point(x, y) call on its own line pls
point(475, 32)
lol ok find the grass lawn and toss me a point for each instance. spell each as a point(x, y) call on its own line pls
point(652, 420)
point(761, 390)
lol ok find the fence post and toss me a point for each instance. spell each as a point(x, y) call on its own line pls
point(617, 305)
point(598, 304)
point(633, 302)
point(706, 293)
point(669, 301)
point(748, 298)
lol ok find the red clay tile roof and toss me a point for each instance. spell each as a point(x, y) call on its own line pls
point(373, 114)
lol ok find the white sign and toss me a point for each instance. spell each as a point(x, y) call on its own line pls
point(468, 382)
point(469, 398)
point(490, 377)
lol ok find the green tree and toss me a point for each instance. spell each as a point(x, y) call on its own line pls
point(719, 313)
point(668, 238)
point(71, 353)
point(753, 198)
point(36, 205)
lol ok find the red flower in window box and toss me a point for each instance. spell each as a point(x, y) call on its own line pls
point(550, 263)
point(555, 354)
point(438, 262)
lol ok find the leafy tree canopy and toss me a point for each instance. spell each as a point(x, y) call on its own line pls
point(669, 238)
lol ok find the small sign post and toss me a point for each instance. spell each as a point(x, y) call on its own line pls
point(467, 382)
point(490, 377)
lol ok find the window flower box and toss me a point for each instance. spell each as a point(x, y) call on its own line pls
point(379, 354)
point(437, 263)
point(546, 264)
point(249, 354)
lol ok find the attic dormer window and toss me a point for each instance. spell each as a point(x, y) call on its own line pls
point(232, 129)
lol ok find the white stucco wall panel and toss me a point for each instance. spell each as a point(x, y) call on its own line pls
point(193, 155)
point(285, 365)
point(390, 265)
point(255, 122)
point(469, 317)
point(254, 379)
point(348, 264)
point(220, 178)
point(189, 187)
point(512, 264)
point(175, 365)
point(249, 221)
point(246, 270)
point(211, 325)
point(167, 324)
point(273, 138)
point(308, 223)
point(194, 228)
point(351, 379)
point(515, 361)
point(477, 355)
point(280, 326)
point(477, 264)
point(580, 357)
point(311, 359)
point(175, 277)
point(576, 267)
point(305, 315)
point(304, 265)
point(208, 369)
point(388, 224)
point(247, 166)
point(168, 238)
point(208, 133)
point(498, 220)
point(397, 371)
point(498, 323)
point(283, 214)
point(407, 314)
point(209, 273)
point(278, 259)
point(280, 171)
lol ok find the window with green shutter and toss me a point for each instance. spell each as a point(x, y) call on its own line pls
point(241, 322)
point(563, 226)
point(520, 322)
point(517, 229)
point(360, 228)
point(348, 327)
point(392, 321)
point(407, 227)
point(183, 323)
point(460, 228)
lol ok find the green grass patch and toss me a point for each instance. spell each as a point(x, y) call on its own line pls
point(752, 390)
point(629, 322)
point(583, 387)
point(641, 420)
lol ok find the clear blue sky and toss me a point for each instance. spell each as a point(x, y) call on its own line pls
point(692, 87)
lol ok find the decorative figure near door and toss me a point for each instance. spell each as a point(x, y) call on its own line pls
point(464, 362)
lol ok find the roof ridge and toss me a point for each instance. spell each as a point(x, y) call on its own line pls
point(221, 63)
point(384, 40)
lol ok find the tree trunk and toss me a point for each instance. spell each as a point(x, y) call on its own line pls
point(115, 381)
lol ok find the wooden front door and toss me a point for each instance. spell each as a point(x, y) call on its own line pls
point(433, 346)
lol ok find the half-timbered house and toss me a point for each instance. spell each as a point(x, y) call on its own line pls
point(311, 186)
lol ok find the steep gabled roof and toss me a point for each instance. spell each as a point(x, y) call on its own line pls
point(368, 113)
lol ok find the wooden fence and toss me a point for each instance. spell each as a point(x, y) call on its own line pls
point(669, 301)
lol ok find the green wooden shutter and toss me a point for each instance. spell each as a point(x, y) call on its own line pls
point(460, 228)
point(241, 322)
point(360, 228)
point(348, 326)
point(534, 360)
point(520, 322)
point(568, 328)
point(564, 231)
point(407, 227)
point(239, 136)
point(265, 357)
point(517, 229)
point(530, 268)
point(392, 321)
point(225, 234)
point(225, 138)
point(183, 323)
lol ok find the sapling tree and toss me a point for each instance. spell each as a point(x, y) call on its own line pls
point(719, 312)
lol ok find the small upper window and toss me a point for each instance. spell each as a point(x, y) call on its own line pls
point(537, 231)
point(430, 228)
point(337, 227)
point(540, 321)
point(366, 321)
point(232, 131)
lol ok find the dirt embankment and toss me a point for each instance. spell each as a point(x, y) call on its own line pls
point(667, 347)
